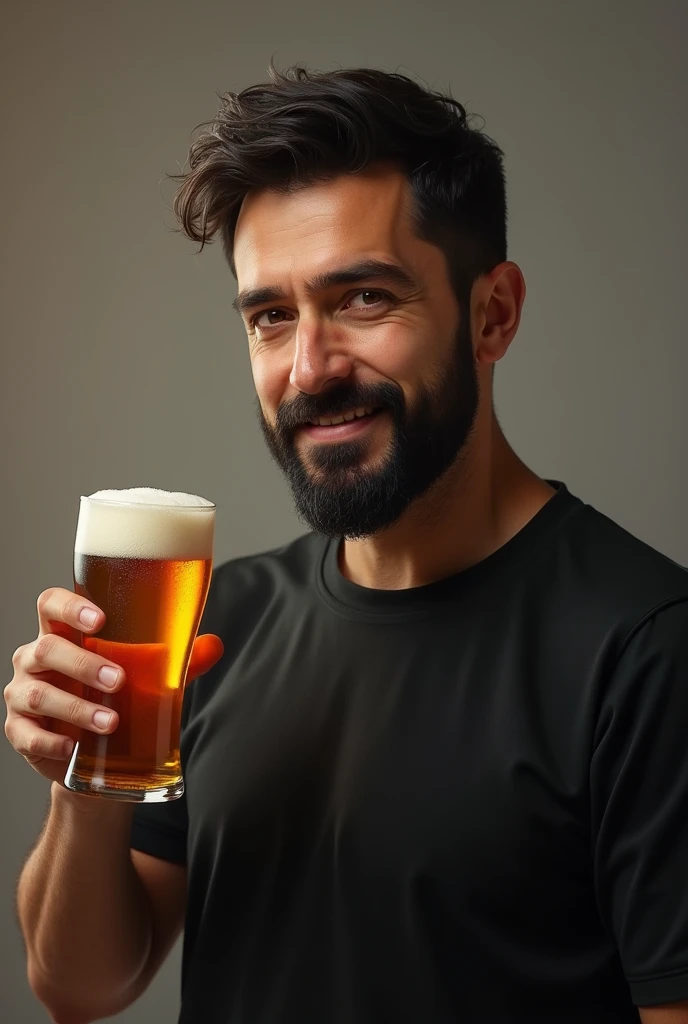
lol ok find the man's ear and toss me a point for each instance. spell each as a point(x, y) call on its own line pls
point(497, 302)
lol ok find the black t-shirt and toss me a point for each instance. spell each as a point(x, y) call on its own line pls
point(463, 802)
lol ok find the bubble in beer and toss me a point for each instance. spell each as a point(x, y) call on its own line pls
point(145, 522)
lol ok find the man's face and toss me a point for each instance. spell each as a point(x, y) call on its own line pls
point(366, 382)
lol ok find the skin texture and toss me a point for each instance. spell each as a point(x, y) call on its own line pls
point(309, 343)
point(671, 1013)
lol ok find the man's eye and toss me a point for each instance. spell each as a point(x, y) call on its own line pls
point(369, 292)
point(266, 312)
point(270, 313)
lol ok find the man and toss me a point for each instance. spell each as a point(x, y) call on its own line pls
point(439, 771)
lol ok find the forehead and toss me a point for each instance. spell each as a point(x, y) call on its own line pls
point(298, 234)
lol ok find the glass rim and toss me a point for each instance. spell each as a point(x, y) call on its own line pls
point(148, 504)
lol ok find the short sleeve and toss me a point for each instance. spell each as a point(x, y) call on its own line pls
point(160, 830)
point(639, 807)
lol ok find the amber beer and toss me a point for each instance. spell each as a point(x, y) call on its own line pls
point(143, 556)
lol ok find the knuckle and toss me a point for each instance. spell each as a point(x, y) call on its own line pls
point(33, 745)
point(70, 609)
point(35, 696)
point(18, 656)
point(26, 745)
point(81, 666)
point(33, 750)
point(43, 599)
point(76, 712)
point(8, 692)
point(9, 729)
point(43, 648)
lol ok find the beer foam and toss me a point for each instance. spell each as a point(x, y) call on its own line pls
point(144, 522)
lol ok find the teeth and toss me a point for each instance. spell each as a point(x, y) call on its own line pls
point(347, 417)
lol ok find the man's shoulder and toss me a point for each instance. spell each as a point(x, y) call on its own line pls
point(297, 559)
point(613, 567)
point(260, 578)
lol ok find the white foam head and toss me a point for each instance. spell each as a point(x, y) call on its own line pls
point(143, 522)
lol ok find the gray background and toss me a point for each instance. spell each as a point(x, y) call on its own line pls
point(123, 364)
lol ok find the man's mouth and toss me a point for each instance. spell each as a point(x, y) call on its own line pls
point(345, 417)
point(345, 426)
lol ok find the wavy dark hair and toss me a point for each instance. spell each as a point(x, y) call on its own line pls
point(302, 127)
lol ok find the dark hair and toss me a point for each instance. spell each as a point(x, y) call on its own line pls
point(303, 126)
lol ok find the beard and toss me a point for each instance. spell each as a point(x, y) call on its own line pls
point(332, 491)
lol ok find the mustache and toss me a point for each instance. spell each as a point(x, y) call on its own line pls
point(340, 399)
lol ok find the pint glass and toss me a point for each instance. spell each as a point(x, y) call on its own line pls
point(144, 557)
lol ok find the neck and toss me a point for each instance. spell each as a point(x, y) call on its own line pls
point(476, 507)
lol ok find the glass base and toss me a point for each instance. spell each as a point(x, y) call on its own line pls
point(139, 796)
point(116, 783)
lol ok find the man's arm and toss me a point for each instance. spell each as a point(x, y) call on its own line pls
point(165, 887)
point(97, 918)
point(671, 1013)
point(638, 800)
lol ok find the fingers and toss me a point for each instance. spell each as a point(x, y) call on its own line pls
point(35, 743)
point(207, 651)
point(54, 653)
point(35, 698)
point(57, 606)
point(32, 699)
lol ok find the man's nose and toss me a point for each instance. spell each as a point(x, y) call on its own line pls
point(319, 358)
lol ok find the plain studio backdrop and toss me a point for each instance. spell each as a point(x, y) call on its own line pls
point(124, 365)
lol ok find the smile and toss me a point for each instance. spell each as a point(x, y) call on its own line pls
point(346, 417)
point(340, 428)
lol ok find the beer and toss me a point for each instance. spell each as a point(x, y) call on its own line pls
point(144, 557)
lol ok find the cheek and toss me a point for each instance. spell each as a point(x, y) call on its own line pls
point(270, 381)
point(402, 358)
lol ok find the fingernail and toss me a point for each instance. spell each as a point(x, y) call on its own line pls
point(108, 675)
point(87, 617)
point(101, 719)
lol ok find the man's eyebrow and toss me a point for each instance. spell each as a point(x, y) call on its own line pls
point(363, 270)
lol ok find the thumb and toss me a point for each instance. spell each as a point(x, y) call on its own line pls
point(207, 651)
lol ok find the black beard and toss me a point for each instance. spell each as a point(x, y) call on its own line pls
point(333, 495)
